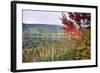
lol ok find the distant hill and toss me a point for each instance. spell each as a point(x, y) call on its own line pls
point(43, 28)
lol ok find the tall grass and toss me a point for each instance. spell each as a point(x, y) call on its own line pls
point(59, 49)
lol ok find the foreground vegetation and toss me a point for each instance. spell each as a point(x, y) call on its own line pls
point(57, 49)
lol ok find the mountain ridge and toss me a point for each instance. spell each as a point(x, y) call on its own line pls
point(43, 28)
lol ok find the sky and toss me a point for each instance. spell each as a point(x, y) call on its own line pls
point(42, 17)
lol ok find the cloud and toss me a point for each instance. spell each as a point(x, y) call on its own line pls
point(42, 17)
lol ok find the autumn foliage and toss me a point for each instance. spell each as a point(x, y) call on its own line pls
point(75, 19)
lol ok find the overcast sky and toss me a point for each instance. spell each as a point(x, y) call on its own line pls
point(42, 17)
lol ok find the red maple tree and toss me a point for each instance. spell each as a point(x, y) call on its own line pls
point(73, 24)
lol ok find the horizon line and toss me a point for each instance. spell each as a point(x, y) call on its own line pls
point(42, 24)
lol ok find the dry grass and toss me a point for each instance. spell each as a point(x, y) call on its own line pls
point(60, 50)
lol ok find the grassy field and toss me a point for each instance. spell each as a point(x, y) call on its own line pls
point(59, 48)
